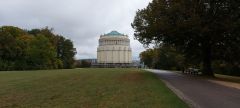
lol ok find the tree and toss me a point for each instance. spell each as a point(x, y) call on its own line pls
point(65, 51)
point(68, 53)
point(85, 64)
point(204, 30)
point(34, 49)
point(47, 32)
point(64, 48)
point(21, 62)
point(41, 53)
point(168, 58)
point(12, 47)
point(162, 57)
point(147, 57)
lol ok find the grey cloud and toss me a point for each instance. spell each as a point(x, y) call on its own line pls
point(82, 21)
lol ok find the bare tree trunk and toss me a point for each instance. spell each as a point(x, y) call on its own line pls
point(207, 62)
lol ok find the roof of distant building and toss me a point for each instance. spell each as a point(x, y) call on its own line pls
point(114, 33)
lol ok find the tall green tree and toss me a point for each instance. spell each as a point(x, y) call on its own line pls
point(168, 58)
point(41, 53)
point(34, 49)
point(68, 54)
point(163, 57)
point(64, 48)
point(203, 30)
point(147, 57)
point(12, 47)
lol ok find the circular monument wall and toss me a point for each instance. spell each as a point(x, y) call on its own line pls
point(114, 48)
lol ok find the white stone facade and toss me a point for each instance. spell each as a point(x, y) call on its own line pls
point(114, 48)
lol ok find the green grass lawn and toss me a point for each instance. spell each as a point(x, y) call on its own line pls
point(86, 88)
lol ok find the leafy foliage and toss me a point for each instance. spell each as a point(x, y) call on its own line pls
point(34, 49)
point(163, 57)
point(82, 64)
point(147, 57)
point(204, 30)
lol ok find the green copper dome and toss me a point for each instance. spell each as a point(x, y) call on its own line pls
point(114, 33)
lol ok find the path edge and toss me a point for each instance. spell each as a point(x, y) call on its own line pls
point(181, 95)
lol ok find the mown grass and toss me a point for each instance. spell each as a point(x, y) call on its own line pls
point(85, 88)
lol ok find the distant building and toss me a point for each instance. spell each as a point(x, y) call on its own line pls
point(114, 50)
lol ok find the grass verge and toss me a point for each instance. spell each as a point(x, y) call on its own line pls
point(86, 88)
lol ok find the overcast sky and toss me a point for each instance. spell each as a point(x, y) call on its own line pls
point(82, 21)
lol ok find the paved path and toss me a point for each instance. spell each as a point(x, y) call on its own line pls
point(198, 92)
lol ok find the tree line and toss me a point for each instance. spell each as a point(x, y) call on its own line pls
point(204, 31)
point(34, 49)
point(162, 57)
point(168, 58)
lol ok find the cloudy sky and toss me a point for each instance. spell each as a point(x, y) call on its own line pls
point(82, 21)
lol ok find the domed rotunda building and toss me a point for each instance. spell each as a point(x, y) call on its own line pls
point(114, 50)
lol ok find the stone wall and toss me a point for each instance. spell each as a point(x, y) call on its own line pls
point(114, 49)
